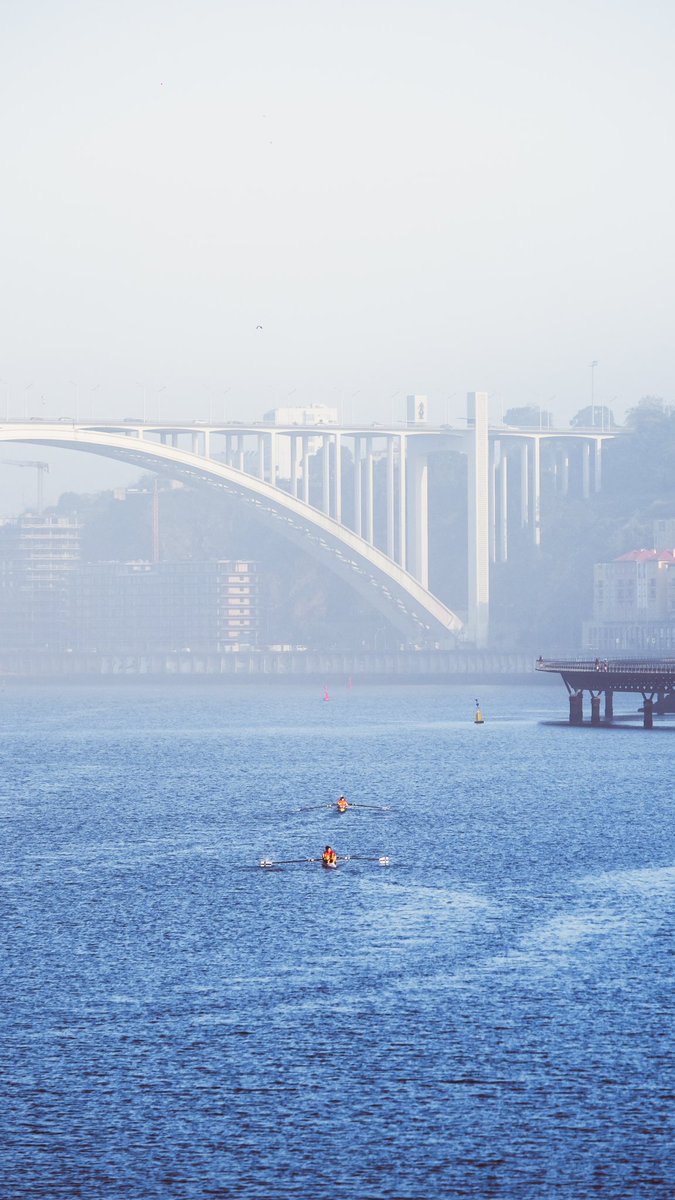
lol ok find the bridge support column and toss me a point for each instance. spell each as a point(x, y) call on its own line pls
point(370, 498)
point(493, 457)
point(478, 510)
point(240, 453)
point(585, 470)
point(595, 710)
point(325, 474)
point(524, 485)
point(261, 456)
point(576, 708)
point(504, 509)
point(195, 443)
point(648, 715)
point(609, 704)
point(305, 468)
point(597, 465)
point(294, 464)
point(391, 498)
point(274, 459)
point(565, 474)
point(402, 503)
point(358, 499)
point(536, 491)
point(418, 517)
point(338, 478)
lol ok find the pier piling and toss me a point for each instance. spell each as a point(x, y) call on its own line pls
point(576, 708)
point(651, 678)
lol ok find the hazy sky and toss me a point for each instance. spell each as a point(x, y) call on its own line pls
point(431, 196)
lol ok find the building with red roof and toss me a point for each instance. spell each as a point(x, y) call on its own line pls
point(633, 604)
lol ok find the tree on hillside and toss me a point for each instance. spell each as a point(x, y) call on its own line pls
point(530, 416)
point(639, 465)
point(649, 412)
point(594, 416)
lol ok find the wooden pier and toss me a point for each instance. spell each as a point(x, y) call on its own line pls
point(651, 678)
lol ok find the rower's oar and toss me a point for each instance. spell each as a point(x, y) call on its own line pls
point(376, 807)
point(312, 807)
point(383, 859)
point(282, 862)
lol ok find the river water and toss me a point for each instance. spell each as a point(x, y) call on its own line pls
point(489, 1015)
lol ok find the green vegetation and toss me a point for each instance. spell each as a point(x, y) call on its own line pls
point(529, 416)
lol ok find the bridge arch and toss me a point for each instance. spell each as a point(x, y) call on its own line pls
point(414, 611)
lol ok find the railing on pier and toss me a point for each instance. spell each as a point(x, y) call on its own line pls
point(647, 677)
point(617, 666)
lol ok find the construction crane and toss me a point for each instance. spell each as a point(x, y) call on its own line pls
point(42, 469)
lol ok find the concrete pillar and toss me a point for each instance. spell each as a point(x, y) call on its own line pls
point(358, 499)
point(595, 710)
point(402, 502)
point(391, 493)
point(524, 485)
point(240, 453)
point(305, 468)
point(325, 474)
point(597, 465)
point(273, 459)
point(536, 491)
point(493, 457)
point(261, 456)
point(609, 704)
point(195, 443)
point(576, 708)
point(504, 509)
point(338, 478)
point(648, 720)
point(418, 516)
point(174, 440)
point(162, 437)
point(370, 497)
point(207, 443)
point(478, 511)
point(294, 464)
point(585, 470)
point(565, 474)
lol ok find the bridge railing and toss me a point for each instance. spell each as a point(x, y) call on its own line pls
point(620, 666)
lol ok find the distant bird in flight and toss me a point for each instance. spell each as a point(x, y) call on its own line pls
point(258, 326)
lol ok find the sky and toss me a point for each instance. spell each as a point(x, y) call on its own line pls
point(429, 197)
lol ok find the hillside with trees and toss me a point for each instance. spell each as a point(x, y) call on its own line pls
point(542, 595)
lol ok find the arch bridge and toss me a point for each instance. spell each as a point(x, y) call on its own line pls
point(292, 478)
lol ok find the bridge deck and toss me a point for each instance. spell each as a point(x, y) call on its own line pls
point(650, 676)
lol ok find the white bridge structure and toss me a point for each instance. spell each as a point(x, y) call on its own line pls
point(293, 477)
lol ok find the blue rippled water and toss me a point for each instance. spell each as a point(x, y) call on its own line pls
point(490, 1015)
